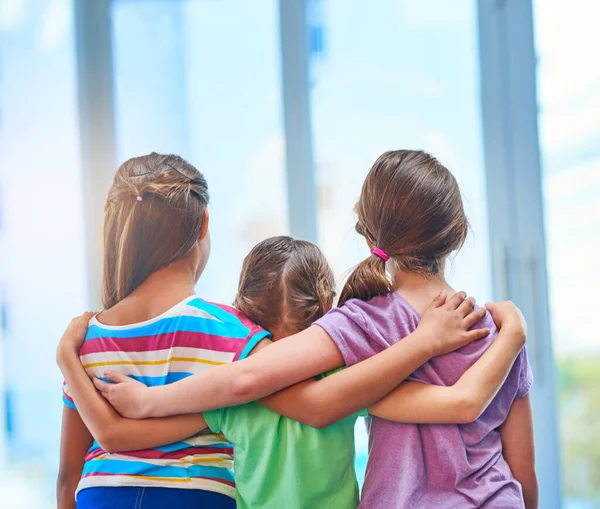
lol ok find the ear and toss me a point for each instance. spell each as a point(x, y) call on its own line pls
point(204, 229)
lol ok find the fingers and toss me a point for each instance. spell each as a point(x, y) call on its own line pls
point(101, 385)
point(439, 300)
point(466, 306)
point(456, 300)
point(116, 377)
point(84, 317)
point(475, 334)
point(472, 318)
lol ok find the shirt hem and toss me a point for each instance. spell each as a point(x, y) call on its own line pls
point(117, 481)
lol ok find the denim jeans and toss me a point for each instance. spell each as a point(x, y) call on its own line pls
point(128, 497)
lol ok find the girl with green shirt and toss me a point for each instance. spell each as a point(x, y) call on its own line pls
point(295, 448)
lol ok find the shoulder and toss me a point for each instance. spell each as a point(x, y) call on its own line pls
point(378, 310)
point(225, 315)
point(227, 322)
point(363, 313)
point(360, 329)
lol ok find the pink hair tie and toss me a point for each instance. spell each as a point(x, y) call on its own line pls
point(378, 252)
point(139, 198)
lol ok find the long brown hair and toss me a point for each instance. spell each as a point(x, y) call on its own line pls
point(285, 280)
point(153, 216)
point(411, 208)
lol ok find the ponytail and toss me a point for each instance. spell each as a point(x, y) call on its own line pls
point(366, 281)
point(410, 205)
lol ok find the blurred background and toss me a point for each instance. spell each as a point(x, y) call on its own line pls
point(284, 105)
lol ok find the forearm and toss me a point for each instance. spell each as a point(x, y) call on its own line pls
point(462, 402)
point(530, 491)
point(286, 362)
point(417, 403)
point(134, 435)
point(66, 486)
point(95, 411)
point(113, 432)
point(481, 382)
point(518, 449)
point(335, 397)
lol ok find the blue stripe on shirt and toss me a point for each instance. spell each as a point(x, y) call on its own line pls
point(122, 467)
point(170, 325)
point(253, 342)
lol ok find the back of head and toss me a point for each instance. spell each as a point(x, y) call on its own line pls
point(411, 208)
point(153, 217)
point(285, 284)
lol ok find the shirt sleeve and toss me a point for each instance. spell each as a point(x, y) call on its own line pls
point(214, 419)
point(347, 327)
point(525, 376)
point(255, 335)
point(67, 399)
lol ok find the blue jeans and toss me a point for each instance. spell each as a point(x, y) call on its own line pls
point(129, 497)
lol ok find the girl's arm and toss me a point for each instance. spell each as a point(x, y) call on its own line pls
point(75, 440)
point(518, 449)
point(443, 328)
point(113, 432)
point(321, 403)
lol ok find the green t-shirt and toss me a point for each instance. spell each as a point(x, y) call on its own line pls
point(279, 462)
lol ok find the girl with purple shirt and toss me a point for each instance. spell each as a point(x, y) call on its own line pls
point(411, 215)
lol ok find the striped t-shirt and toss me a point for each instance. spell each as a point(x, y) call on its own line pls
point(191, 337)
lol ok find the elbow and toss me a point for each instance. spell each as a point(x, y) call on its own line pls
point(245, 388)
point(111, 445)
point(64, 480)
point(317, 421)
point(320, 416)
point(109, 440)
point(66, 484)
point(530, 490)
point(471, 410)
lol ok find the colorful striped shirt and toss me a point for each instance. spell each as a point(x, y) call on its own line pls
point(191, 337)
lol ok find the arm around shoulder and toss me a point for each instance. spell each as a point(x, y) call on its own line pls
point(286, 362)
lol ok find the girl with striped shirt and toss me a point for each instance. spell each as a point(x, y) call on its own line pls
point(156, 245)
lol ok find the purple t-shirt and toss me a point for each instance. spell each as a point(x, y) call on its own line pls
point(423, 466)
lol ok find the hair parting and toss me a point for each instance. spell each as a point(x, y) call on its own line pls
point(284, 280)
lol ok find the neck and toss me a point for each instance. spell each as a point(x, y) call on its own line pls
point(418, 289)
point(158, 293)
point(281, 331)
point(177, 278)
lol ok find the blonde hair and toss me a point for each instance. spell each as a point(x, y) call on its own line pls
point(285, 280)
point(153, 216)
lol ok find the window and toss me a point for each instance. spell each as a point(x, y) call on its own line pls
point(202, 79)
point(569, 96)
point(42, 272)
